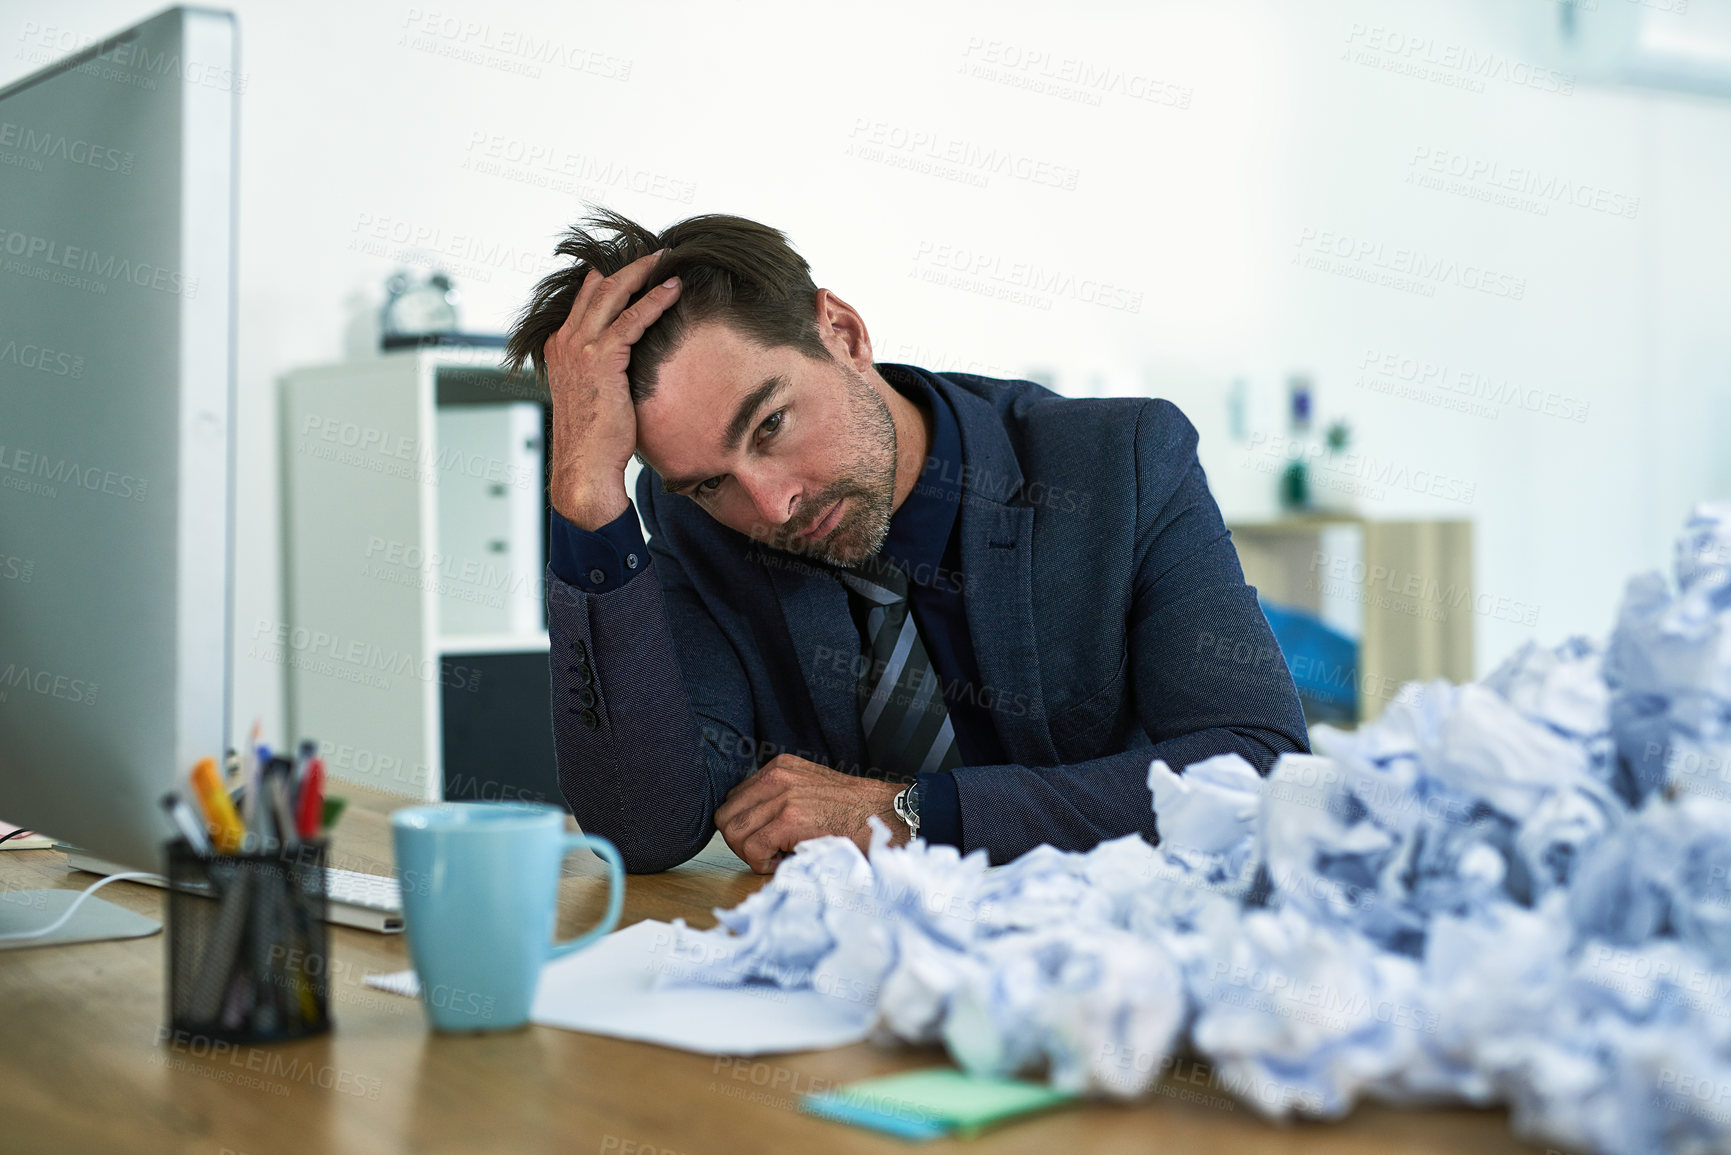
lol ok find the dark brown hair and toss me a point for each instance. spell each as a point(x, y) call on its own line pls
point(731, 270)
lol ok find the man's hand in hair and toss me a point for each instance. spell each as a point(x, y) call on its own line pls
point(594, 424)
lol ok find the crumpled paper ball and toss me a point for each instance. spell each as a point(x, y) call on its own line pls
point(1669, 667)
point(1097, 1010)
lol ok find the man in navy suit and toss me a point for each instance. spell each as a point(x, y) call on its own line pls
point(969, 607)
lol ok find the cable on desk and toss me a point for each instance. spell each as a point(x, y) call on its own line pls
point(76, 903)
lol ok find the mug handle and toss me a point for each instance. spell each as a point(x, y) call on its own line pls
point(615, 891)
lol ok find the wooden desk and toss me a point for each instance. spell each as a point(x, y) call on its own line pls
point(83, 1068)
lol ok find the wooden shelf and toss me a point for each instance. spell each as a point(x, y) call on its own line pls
point(1403, 589)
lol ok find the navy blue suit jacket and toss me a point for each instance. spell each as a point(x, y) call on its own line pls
point(1107, 609)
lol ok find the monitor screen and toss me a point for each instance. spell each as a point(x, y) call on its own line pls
point(117, 213)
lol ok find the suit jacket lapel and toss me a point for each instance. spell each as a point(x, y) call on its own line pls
point(997, 561)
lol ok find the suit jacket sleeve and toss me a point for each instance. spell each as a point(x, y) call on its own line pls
point(1206, 675)
point(645, 752)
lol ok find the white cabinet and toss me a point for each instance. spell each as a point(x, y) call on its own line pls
point(414, 546)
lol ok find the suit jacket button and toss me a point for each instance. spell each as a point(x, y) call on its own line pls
point(581, 649)
point(585, 674)
point(589, 719)
point(586, 696)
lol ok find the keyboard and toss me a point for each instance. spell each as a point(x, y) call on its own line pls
point(373, 891)
point(367, 901)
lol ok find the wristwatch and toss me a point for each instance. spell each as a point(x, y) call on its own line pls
point(907, 806)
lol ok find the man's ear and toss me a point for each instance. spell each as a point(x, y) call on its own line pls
point(843, 330)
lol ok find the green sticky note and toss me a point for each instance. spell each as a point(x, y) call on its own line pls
point(931, 1103)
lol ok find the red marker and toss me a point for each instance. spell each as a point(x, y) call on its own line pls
point(309, 811)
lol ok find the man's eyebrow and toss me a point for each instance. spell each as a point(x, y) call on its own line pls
point(743, 418)
point(675, 484)
point(746, 415)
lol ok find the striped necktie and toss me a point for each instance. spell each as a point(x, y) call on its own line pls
point(907, 729)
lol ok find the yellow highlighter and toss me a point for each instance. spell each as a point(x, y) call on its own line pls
point(219, 814)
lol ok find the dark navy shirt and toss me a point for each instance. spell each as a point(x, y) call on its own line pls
point(923, 542)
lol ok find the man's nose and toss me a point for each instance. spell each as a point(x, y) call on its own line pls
point(774, 496)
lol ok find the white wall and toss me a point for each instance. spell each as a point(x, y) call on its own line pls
point(365, 116)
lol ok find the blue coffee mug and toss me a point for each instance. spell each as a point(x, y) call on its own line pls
point(480, 883)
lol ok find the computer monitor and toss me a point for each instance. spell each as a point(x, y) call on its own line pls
point(117, 282)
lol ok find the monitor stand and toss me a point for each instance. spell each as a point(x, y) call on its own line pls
point(22, 911)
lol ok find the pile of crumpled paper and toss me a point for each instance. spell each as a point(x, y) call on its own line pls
point(1514, 891)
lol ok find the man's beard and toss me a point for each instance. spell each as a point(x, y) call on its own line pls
point(868, 485)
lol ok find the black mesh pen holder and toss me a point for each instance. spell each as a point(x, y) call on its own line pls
point(248, 948)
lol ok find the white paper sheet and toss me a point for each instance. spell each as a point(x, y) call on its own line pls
point(609, 990)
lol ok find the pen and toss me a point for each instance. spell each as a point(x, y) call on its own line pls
point(247, 800)
point(212, 990)
point(303, 756)
point(186, 820)
point(309, 811)
point(240, 788)
point(219, 815)
point(277, 796)
point(255, 806)
point(248, 753)
point(267, 891)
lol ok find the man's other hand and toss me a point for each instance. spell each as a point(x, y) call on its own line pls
point(790, 800)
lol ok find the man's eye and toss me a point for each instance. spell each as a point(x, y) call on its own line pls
point(771, 424)
point(705, 488)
